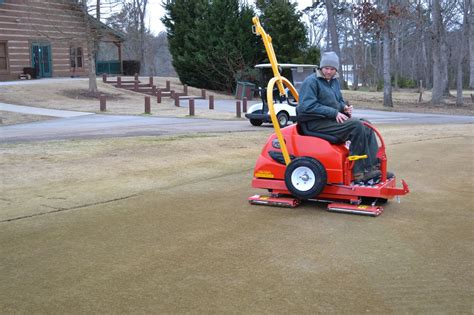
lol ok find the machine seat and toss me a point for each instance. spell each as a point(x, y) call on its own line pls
point(303, 130)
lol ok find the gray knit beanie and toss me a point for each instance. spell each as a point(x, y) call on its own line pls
point(329, 59)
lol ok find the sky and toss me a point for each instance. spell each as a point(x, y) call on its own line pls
point(156, 11)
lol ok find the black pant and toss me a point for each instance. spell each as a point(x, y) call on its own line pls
point(363, 140)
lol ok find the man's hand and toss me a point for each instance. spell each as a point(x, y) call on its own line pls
point(340, 118)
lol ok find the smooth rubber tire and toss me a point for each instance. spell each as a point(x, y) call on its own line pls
point(305, 177)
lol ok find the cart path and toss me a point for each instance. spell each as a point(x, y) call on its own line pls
point(41, 111)
point(83, 125)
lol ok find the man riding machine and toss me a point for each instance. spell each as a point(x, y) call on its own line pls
point(310, 160)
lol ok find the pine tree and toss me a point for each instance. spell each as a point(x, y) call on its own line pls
point(210, 41)
point(283, 22)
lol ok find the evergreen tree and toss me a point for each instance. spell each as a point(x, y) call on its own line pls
point(283, 22)
point(210, 41)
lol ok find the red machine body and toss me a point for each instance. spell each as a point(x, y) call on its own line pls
point(294, 166)
point(270, 171)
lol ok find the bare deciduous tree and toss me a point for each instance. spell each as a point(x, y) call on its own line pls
point(387, 85)
point(333, 35)
point(471, 43)
point(437, 31)
point(92, 43)
point(462, 54)
point(141, 7)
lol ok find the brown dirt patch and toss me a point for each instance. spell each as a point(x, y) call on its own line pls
point(84, 94)
point(150, 224)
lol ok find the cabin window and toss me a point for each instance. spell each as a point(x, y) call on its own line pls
point(3, 56)
point(76, 57)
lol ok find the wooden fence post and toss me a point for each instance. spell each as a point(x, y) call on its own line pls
point(147, 105)
point(191, 106)
point(211, 101)
point(103, 104)
point(176, 100)
point(237, 109)
point(158, 95)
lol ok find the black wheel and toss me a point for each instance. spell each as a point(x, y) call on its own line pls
point(256, 122)
point(305, 177)
point(292, 101)
point(282, 118)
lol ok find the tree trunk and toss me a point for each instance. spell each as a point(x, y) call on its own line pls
point(91, 44)
point(332, 31)
point(459, 97)
point(387, 84)
point(355, 69)
point(379, 61)
point(397, 60)
point(438, 87)
point(141, 6)
point(471, 44)
point(425, 57)
point(355, 45)
point(444, 64)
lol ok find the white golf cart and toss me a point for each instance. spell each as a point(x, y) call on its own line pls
point(285, 106)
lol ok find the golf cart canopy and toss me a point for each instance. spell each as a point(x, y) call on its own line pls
point(296, 73)
point(287, 65)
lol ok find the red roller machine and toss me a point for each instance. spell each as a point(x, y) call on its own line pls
point(294, 166)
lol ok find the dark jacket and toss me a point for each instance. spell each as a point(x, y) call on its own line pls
point(319, 98)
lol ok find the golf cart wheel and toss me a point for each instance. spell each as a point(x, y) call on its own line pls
point(305, 177)
point(292, 101)
point(283, 118)
point(256, 122)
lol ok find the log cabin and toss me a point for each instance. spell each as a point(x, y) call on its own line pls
point(49, 39)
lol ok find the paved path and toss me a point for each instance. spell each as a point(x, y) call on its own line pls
point(227, 106)
point(99, 126)
point(41, 111)
point(75, 125)
point(383, 117)
point(41, 81)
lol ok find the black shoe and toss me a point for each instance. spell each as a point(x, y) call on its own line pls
point(389, 174)
point(367, 178)
point(378, 178)
point(371, 174)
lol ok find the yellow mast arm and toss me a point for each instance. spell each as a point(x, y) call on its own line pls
point(279, 80)
point(267, 41)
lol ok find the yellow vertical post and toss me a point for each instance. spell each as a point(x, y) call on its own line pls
point(277, 79)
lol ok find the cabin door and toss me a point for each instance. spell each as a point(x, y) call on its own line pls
point(41, 59)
